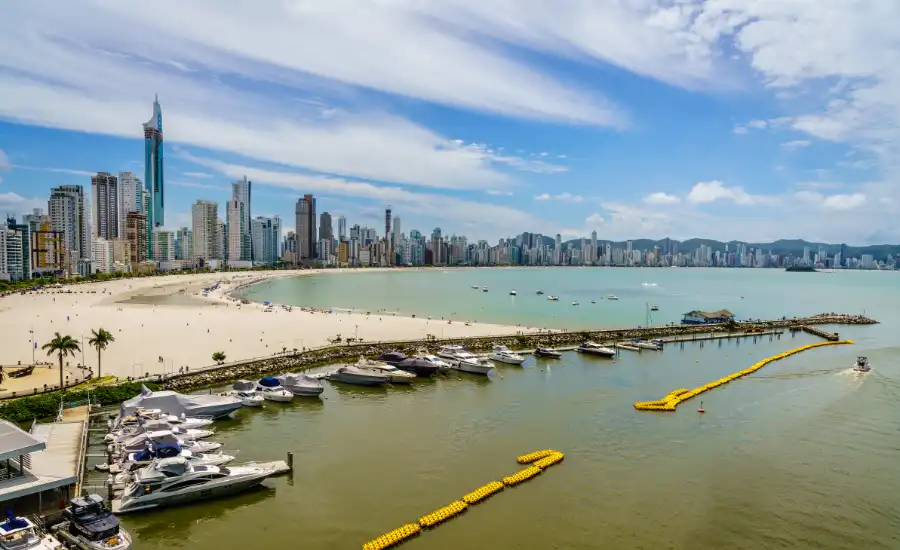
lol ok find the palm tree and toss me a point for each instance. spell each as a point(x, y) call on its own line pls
point(62, 346)
point(100, 338)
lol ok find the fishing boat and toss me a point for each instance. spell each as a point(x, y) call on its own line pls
point(862, 365)
point(593, 348)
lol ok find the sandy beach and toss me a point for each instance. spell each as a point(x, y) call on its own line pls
point(162, 324)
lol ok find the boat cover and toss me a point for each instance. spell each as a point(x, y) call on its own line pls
point(168, 401)
point(269, 382)
point(299, 381)
point(149, 440)
point(244, 385)
point(392, 357)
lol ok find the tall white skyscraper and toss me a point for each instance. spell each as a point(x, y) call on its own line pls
point(342, 227)
point(234, 220)
point(204, 215)
point(68, 216)
point(594, 253)
point(102, 255)
point(12, 266)
point(105, 205)
point(240, 192)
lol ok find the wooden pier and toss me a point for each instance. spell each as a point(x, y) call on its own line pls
point(727, 336)
point(815, 331)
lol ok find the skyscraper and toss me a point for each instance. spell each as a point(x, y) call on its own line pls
point(153, 171)
point(395, 235)
point(325, 231)
point(266, 234)
point(342, 227)
point(105, 205)
point(68, 216)
point(131, 197)
point(305, 213)
point(234, 219)
point(240, 191)
point(203, 217)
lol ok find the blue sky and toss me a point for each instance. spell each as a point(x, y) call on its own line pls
point(729, 119)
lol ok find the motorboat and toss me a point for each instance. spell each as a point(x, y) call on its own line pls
point(441, 364)
point(539, 292)
point(393, 357)
point(419, 366)
point(612, 297)
point(553, 298)
point(465, 361)
point(271, 390)
point(192, 434)
point(173, 481)
point(394, 374)
point(476, 287)
point(647, 344)
point(146, 456)
point(504, 355)
point(350, 374)
point(862, 365)
point(203, 406)
point(512, 292)
point(654, 308)
point(596, 349)
point(301, 385)
point(126, 473)
point(245, 390)
point(181, 420)
point(151, 439)
point(91, 523)
point(20, 533)
point(574, 303)
point(547, 352)
point(484, 289)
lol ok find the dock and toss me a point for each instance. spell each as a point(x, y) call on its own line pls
point(815, 331)
point(726, 336)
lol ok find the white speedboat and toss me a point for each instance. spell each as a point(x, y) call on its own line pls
point(647, 344)
point(94, 526)
point(476, 287)
point(862, 365)
point(612, 297)
point(245, 390)
point(301, 385)
point(596, 349)
point(553, 298)
point(464, 361)
point(150, 426)
point(20, 533)
point(349, 374)
point(394, 374)
point(484, 289)
point(512, 292)
point(504, 355)
point(547, 352)
point(271, 390)
point(442, 365)
point(173, 481)
point(654, 308)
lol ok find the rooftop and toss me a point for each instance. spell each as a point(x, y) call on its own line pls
point(54, 466)
point(15, 442)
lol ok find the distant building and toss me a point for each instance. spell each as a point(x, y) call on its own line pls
point(698, 317)
point(163, 245)
point(305, 213)
point(203, 217)
point(240, 192)
point(69, 217)
point(11, 261)
point(266, 236)
point(154, 179)
point(131, 197)
point(136, 236)
point(105, 205)
point(103, 256)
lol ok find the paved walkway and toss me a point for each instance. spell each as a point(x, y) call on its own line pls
point(35, 382)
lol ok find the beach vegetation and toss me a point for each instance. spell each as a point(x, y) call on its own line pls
point(100, 339)
point(62, 346)
point(46, 405)
point(218, 357)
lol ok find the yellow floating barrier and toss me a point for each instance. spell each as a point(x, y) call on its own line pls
point(443, 514)
point(545, 463)
point(537, 455)
point(483, 492)
point(520, 476)
point(393, 537)
point(674, 398)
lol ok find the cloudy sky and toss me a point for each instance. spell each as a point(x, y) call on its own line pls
point(728, 119)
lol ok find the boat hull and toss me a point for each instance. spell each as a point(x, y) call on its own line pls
point(598, 352)
point(358, 380)
point(548, 354)
point(422, 371)
point(217, 411)
point(473, 368)
point(507, 360)
point(192, 494)
point(303, 391)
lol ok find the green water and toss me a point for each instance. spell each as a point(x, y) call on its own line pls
point(802, 454)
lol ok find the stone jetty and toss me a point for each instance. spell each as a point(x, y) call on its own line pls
point(293, 361)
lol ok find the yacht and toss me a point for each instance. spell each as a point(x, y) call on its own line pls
point(21, 534)
point(647, 344)
point(547, 352)
point(301, 385)
point(504, 355)
point(464, 361)
point(153, 439)
point(94, 526)
point(553, 298)
point(612, 297)
point(862, 365)
point(476, 287)
point(173, 481)
point(441, 364)
point(393, 358)
point(271, 390)
point(539, 292)
point(176, 420)
point(204, 406)
point(596, 349)
point(419, 366)
point(394, 374)
point(147, 456)
point(245, 390)
point(512, 292)
point(192, 434)
point(349, 374)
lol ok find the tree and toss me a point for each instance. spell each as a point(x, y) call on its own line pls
point(218, 357)
point(62, 346)
point(100, 338)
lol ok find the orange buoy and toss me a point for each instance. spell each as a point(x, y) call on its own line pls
point(701, 409)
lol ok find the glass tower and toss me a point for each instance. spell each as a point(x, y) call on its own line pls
point(153, 173)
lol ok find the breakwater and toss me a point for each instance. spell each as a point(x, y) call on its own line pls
point(676, 397)
point(539, 461)
point(301, 360)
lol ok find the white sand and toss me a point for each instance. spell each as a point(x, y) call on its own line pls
point(187, 333)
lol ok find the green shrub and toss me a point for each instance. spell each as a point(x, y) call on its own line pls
point(24, 409)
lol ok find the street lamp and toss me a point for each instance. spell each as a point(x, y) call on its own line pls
point(33, 344)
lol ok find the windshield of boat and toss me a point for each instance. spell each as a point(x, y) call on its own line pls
point(19, 539)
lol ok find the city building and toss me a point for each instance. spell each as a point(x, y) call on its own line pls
point(204, 216)
point(305, 213)
point(136, 237)
point(154, 179)
point(234, 220)
point(46, 245)
point(163, 245)
point(325, 231)
point(240, 192)
point(184, 244)
point(102, 260)
point(105, 205)
point(11, 259)
point(131, 197)
point(69, 217)
point(342, 227)
point(266, 236)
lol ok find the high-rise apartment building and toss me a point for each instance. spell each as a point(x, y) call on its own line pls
point(204, 216)
point(266, 234)
point(46, 245)
point(131, 197)
point(305, 213)
point(68, 216)
point(395, 234)
point(342, 227)
point(11, 259)
point(102, 255)
point(153, 171)
point(163, 245)
point(240, 192)
point(136, 236)
point(221, 240)
point(105, 205)
point(184, 244)
point(326, 233)
point(237, 233)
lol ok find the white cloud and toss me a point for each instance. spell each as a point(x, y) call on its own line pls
point(15, 204)
point(201, 175)
point(757, 124)
point(4, 161)
point(844, 202)
point(542, 197)
point(795, 144)
point(498, 193)
point(69, 171)
point(740, 130)
point(197, 185)
point(485, 152)
point(661, 198)
point(565, 196)
point(711, 191)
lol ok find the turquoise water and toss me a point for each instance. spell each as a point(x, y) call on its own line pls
point(802, 454)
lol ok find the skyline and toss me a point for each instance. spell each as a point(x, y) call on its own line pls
point(748, 134)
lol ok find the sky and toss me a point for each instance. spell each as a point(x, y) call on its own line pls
point(729, 119)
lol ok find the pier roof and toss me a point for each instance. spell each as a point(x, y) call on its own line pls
point(54, 466)
point(15, 442)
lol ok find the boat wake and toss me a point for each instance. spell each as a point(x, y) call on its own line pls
point(649, 284)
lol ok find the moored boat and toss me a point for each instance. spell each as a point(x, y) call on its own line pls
point(392, 357)
point(512, 292)
point(593, 348)
point(174, 403)
point(301, 385)
point(395, 375)
point(21, 533)
point(271, 390)
point(612, 297)
point(464, 361)
point(539, 292)
point(92, 524)
point(504, 355)
point(419, 366)
point(553, 298)
point(350, 374)
point(549, 353)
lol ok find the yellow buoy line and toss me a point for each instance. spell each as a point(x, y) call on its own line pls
point(674, 398)
point(539, 460)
